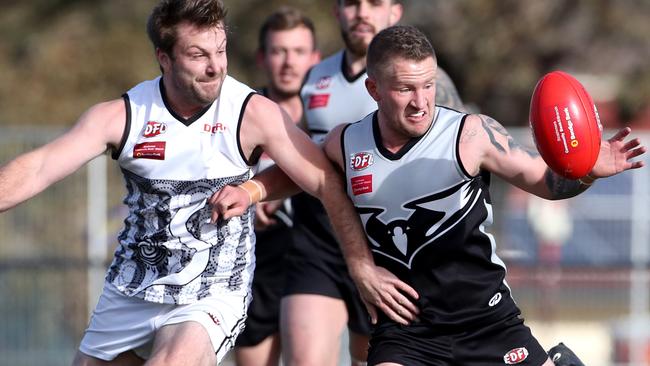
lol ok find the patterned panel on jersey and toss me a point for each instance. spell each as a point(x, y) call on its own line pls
point(430, 217)
point(170, 249)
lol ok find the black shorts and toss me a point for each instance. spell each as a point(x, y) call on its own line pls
point(268, 285)
point(331, 280)
point(506, 342)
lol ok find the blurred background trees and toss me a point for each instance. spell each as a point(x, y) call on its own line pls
point(58, 57)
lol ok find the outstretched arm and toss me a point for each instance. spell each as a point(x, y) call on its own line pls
point(32, 172)
point(486, 144)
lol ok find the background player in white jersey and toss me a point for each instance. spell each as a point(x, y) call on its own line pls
point(434, 235)
point(178, 287)
point(287, 49)
point(321, 299)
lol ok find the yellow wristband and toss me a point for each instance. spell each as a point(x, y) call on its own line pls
point(587, 182)
point(255, 191)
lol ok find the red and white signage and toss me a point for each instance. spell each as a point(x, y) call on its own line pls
point(150, 150)
point(153, 129)
point(318, 101)
point(515, 356)
point(362, 160)
point(361, 184)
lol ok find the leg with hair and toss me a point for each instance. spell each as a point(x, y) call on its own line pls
point(311, 328)
point(186, 343)
point(124, 359)
point(265, 353)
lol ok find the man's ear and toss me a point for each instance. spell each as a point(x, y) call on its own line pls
point(336, 11)
point(371, 86)
point(396, 11)
point(164, 60)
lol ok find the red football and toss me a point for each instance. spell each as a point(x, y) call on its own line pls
point(565, 125)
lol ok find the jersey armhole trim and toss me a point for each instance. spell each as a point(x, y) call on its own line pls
point(253, 159)
point(458, 135)
point(127, 128)
point(344, 167)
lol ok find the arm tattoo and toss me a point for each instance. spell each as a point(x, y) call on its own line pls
point(561, 187)
point(490, 125)
point(446, 92)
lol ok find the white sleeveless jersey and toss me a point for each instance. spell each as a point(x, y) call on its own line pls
point(168, 251)
point(330, 98)
point(426, 220)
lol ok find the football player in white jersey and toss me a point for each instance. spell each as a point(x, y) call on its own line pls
point(179, 285)
point(435, 234)
point(287, 49)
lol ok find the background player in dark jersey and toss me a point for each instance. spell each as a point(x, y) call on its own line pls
point(179, 295)
point(287, 49)
point(321, 299)
point(419, 174)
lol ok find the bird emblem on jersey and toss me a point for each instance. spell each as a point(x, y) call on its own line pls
point(430, 217)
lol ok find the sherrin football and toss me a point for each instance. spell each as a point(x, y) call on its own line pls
point(565, 125)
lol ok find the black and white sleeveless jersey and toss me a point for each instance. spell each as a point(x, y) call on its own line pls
point(168, 251)
point(427, 220)
point(331, 98)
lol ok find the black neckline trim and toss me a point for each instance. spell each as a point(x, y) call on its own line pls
point(350, 78)
point(185, 121)
point(402, 151)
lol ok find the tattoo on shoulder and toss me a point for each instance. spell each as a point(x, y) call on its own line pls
point(467, 135)
point(561, 187)
point(491, 126)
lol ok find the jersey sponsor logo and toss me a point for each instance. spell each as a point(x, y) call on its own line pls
point(361, 184)
point(318, 101)
point(402, 238)
point(362, 160)
point(495, 299)
point(324, 82)
point(214, 129)
point(515, 356)
point(154, 129)
point(150, 150)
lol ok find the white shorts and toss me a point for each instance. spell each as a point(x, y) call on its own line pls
point(121, 323)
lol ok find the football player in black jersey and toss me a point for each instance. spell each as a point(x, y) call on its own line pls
point(457, 308)
point(429, 274)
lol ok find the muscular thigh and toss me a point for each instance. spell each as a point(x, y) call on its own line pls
point(311, 329)
point(186, 343)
